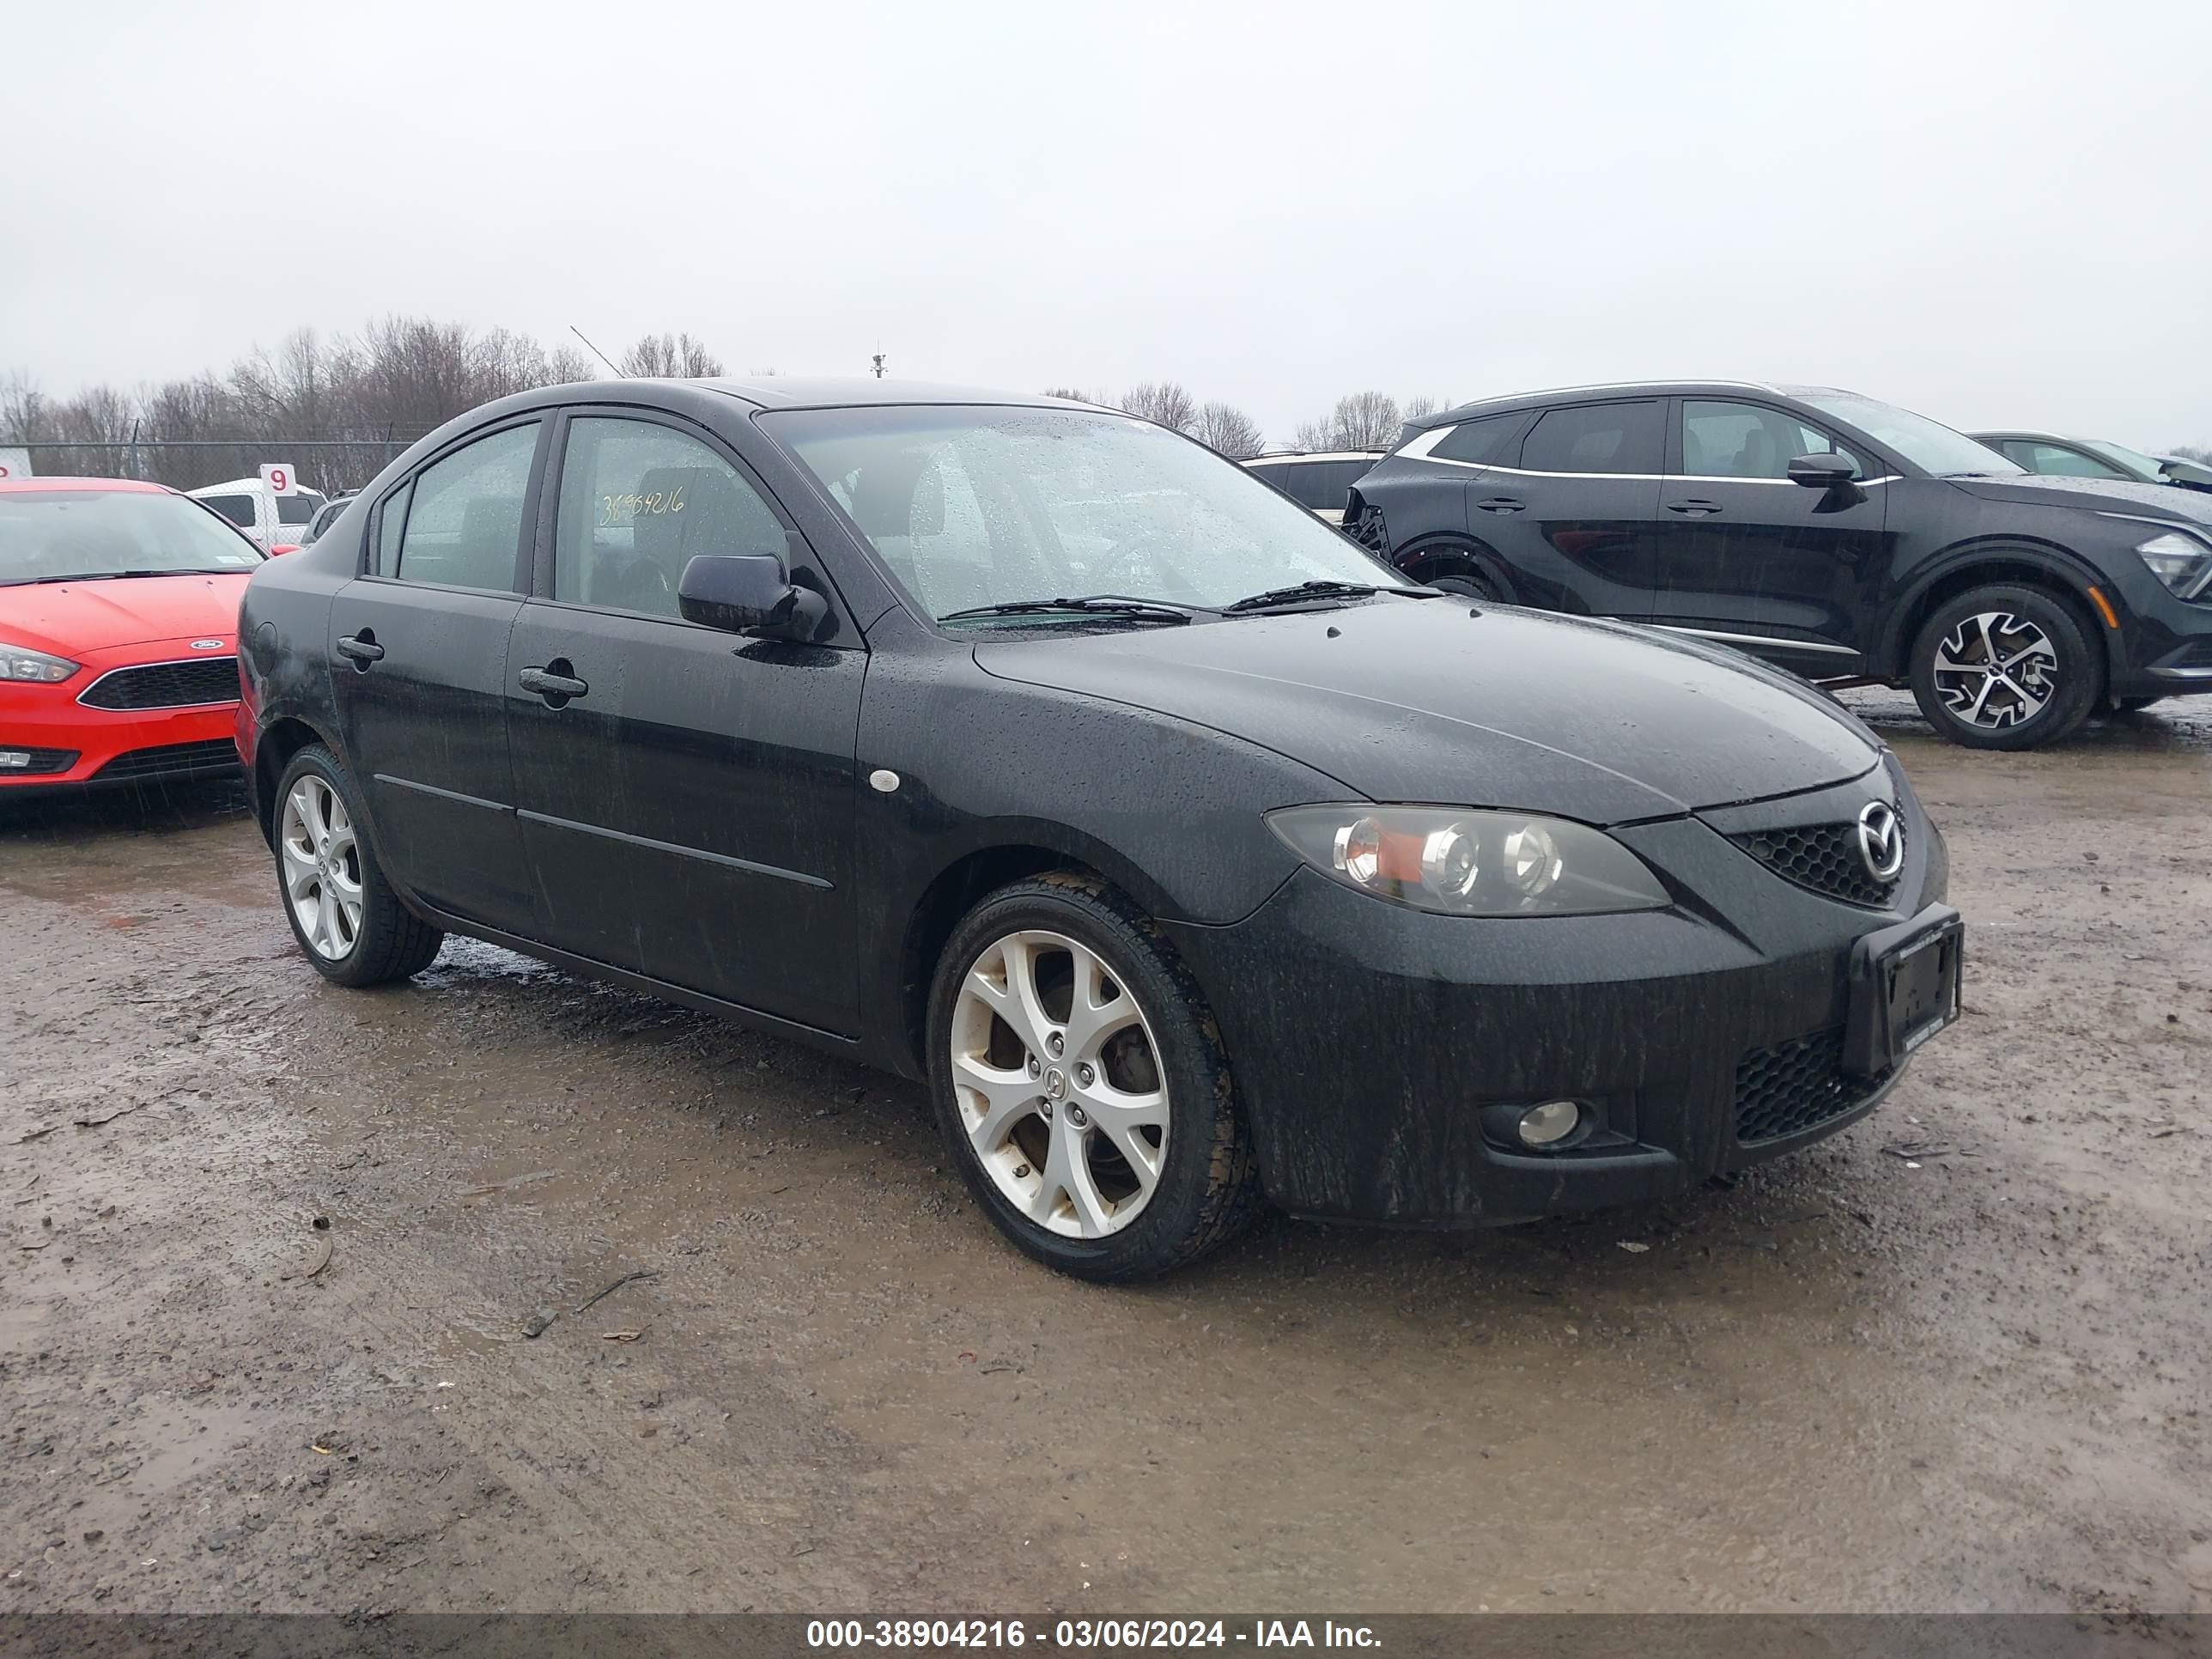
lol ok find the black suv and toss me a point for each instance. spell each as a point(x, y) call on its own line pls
point(1836, 536)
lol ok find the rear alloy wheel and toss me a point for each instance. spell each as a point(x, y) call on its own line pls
point(1087, 1102)
point(344, 914)
point(2004, 667)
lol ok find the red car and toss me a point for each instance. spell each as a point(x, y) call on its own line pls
point(118, 634)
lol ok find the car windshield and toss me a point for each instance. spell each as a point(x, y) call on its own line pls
point(975, 507)
point(53, 535)
point(1928, 444)
point(2133, 462)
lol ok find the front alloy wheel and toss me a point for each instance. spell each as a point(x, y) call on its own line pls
point(2006, 667)
point(1056, 1076)
point(1080, 1083)
point(1996, 669)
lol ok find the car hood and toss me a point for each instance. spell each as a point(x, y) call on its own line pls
point(2140, 500)
point(101, 614)
point(1486, 705)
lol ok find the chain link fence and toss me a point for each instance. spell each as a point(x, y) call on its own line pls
point(329, 464)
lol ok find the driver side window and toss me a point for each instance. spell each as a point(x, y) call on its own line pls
point(638, 502)
point(1743, 440)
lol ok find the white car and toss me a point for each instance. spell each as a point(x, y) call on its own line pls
point(1319, 482)
point(270, 520)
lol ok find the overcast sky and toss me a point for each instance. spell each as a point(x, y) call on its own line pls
point(1995, 214)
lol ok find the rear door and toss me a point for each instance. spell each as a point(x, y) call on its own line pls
point(1747, 557)
point(689, 812)
point(1570, 514)
point(418, 673)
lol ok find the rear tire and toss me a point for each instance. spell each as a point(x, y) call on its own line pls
point(1456, 571)
point(2006, 667)
point(348, 921)
point(1062, 1031)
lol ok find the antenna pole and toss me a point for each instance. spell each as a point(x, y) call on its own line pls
point(596, 352)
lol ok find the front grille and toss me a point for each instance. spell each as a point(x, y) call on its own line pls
point(170, 757)
point(166, 685)
point(1793, 1086)
point(46, 761)
point(1823, 858)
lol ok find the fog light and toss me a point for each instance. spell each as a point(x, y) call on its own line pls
point(14, 760)
point(1549, 1124)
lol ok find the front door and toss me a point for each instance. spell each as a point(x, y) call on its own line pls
point(419, 652)
point(1747, 557)
point(687, 798)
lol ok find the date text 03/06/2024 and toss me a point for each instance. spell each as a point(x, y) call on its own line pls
point(1084, 1634)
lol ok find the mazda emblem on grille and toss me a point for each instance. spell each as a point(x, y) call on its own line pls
point(1881, 840)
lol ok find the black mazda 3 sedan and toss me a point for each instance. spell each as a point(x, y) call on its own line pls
point(1188, 855)
point(1838, 537)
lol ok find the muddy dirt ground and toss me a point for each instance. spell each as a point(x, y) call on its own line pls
point(1972, 1378)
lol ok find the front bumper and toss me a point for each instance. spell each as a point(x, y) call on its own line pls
point(1367, 1038)
point(74, 745)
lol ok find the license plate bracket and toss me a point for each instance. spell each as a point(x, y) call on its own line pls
point(1904, 988)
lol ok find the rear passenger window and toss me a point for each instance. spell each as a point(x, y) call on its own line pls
point(1596, 438)
point(464, 527)
point(1271, 473)
point(239, 509)
point(1493, 441)
point(638, 502)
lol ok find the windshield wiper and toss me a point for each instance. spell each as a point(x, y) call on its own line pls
point(1315, 590)
point(108, 576)
point(1099, 605)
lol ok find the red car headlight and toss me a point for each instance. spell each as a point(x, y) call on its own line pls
point(20, 663)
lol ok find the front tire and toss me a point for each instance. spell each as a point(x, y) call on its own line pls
point(2005, 667)
point(348, 921)
point(1081, 1086)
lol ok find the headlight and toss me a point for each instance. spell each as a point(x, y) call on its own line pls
point(2182, 562)
point(17, 663)
point(1463, 863)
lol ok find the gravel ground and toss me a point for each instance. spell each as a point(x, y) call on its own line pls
point(273, 1250)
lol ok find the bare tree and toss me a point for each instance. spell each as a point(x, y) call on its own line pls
point(670, 357)
point(1163, 403)
point(1077, 395)
point(1228, 430)
point(2201, 454)
point(1419, 409)
point(1364, 420)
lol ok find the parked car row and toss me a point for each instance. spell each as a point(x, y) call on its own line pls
point(1835, 536)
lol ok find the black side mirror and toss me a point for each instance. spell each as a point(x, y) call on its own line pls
point(750, 595)
point(1820, 471)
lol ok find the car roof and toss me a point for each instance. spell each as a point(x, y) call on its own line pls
point(780, 391)
point(2024, 432)
point(1514, 402)
point(236, 484)
point(119, 486)
point(1275, 456)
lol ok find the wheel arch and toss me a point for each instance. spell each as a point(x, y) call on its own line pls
point(1445, 553)
point(2050, 569)
point(273, 748)
point(957, 888)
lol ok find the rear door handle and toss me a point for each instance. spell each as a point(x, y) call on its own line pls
point(1501, 504)
point(361, 647)
point(556, 681)
point(1694, 509)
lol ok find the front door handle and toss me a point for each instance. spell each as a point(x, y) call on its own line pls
point(1501, 504)
point(1694, 509)
point(362, 648)
point(556, 681)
